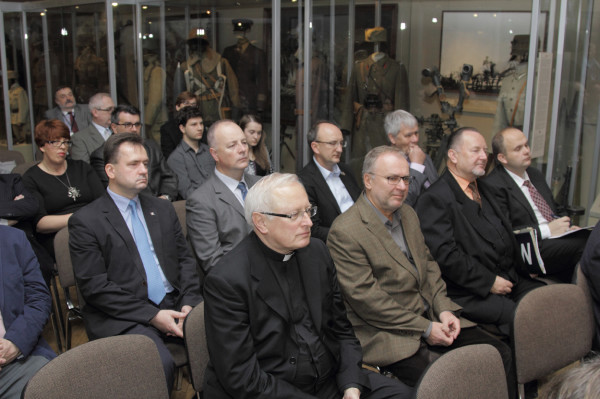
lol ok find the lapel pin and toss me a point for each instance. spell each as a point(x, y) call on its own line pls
point(152, 214)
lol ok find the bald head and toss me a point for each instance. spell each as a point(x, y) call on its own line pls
point(511, 150)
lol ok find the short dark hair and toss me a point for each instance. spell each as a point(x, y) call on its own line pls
point(123, 108)
point(314, 130)
point(184, 96)
point(455, 137)
point(113, 144)
point(186, 113)
point(50, 129)
point(498, 146)
point(60, 87)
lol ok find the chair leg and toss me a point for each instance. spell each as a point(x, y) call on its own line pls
point(57, 336)
point(58, 314)
point(179, 378)
point(521, 391)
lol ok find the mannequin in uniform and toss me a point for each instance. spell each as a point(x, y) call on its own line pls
point(91, 70)
point(155, 107)
point(511, 99)
point(19, 109)
point(378, 85)
point(211, 79)
point(249, 64)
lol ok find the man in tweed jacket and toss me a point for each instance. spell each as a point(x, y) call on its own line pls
point(394, 294)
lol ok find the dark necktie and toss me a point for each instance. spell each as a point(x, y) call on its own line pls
point(475, 192)
point(539, 201)
point(74, 127)
point(242, 186)
point(156, 288)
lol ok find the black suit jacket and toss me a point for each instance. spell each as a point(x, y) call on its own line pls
point(459, 240)
point(252, 353)
point(161, 179)
point(170, 136)
point(109, 269)
point(320, 195)
point(590, 266)
point(513, 202)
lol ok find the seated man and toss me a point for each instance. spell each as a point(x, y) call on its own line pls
point(130, 258)
point(590, 266)
point(329, 184)
point(394, 293)
point(24, 310)
point(162, 182)
point(75, 116)
point(402, 129)
point(191, 160)
point(89, 139)
point(215, 211)
point(471, 239)
point(275, 320)
point(524, 196)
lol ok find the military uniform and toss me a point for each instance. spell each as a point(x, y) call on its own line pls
point(19, 112)
point(155, 108)
point(512, 94)
point(212, 79)
point(385, 84)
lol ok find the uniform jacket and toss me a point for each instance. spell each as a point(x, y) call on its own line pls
point(382, 289)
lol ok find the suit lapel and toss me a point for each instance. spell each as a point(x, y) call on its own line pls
point(267, 286)
point(322, 186)
point(380, 232)
point(309, 272)
point(515, 192)
point(224, 194)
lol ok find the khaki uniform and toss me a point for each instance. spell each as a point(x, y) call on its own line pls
point(155, 108)
point(212, 79)
point(512, 84)
point(387, 81)
point(19, 111)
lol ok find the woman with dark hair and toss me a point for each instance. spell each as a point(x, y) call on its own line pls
point(170, 135)
point(259, 163)
point(61, 185)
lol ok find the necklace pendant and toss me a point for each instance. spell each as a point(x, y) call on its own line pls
point(74, 193)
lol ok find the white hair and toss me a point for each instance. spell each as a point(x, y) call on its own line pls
point(260, 197)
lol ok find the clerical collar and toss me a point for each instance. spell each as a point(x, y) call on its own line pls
point(271, 254)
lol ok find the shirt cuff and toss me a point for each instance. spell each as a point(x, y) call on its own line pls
point(425, 335)
point(417, 166)
point(352, 385)
point(3, 222)
point(545, 231)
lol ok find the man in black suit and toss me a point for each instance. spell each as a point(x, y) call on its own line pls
point(130, 257)
point(402, 130)
point(276, 326)
point(590, 266)
point(525, 197)
point(470, 238)
point(74, 115)
point(329, 184)
point(162, 181)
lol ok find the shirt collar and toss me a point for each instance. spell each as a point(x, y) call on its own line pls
point(519, 180)
point(381, 216)
point(231, 183)
point(122, 202)
point(336, 172)
point(462, 182)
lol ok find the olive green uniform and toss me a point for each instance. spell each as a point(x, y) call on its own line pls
point(509, 98)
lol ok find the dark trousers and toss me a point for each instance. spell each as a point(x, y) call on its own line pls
point(169, 302)
point(382, 387)
point(409, 370)
point(561, 255)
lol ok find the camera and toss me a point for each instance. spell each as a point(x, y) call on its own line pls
point(466, 73)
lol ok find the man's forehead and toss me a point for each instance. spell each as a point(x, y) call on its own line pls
point(125, 116)
point(327, 129)
point(132, 152)
point(405, 130)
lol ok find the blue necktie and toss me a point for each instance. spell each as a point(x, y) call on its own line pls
point(156, 288)
point(243, 189)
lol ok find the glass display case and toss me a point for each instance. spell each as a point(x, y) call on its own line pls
point(295, 62)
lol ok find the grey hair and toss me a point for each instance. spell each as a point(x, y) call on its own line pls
point(397, 120)
point(374, 154)
point(582, 382)
point(260, 197)
point(95, 101)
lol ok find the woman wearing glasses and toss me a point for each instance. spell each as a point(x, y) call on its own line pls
point(61, 185)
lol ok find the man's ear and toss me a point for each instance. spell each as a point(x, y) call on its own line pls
point(502, 159)
point(392, 139)
point(213, 152)
point(314, 147)
point(367, 180)
point(452, 156)
point(182, 128)
point(258, 220)
point(109, 168)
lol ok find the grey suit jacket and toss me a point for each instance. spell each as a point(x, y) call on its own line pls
point(418, 186)
point(215, 220)
point(85, 142)
point(383, 290)
point(83, 117)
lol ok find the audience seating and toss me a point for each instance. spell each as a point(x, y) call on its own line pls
point(22, 168)
point(124, 366)
point(474, 371)
point(11, 155)
point(195, 344)
point(582, 283)
point(552, 328)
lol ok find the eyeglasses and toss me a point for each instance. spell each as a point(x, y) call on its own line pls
point(311, 211)
point(129, 125)
point(58, 143)
point(334, 144)
point(109, 109)
point(395, 180)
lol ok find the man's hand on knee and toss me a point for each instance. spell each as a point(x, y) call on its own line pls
point(439, 335)
point(501, 286)
point(166, 322)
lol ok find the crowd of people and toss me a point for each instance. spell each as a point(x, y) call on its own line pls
point(321, 284)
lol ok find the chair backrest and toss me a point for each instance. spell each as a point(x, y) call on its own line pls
point(473, 371)
point(11, 155)
point(194, 334)
point(22, 168)
point(582, 282)
point(180, 211)
point(123, 366)
point(552, 328)
point(63, 258)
